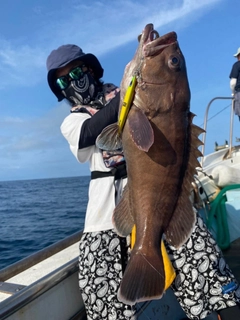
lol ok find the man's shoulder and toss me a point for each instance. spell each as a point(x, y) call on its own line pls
point(235, 70)
point(74, 117)
point(236, 64)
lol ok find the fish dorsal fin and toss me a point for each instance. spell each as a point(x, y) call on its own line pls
point(184, 217)
point(122, 218)
point(109, 138)
point(140, 129)
point(197, 130)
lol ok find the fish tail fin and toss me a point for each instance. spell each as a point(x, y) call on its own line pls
point(109, 138)
point(168, 267)
point(143, 279)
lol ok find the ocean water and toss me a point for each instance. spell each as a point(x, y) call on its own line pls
point(37, 213)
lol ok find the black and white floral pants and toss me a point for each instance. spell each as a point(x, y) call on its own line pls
point(201, 273)
point(103, 258)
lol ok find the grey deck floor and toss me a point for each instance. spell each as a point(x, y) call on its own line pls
point(232, 256)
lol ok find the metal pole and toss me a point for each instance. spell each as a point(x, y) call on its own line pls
point(231, 126)
point(206, 119)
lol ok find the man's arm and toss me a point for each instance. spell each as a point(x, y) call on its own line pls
point(233, 82)
point(93, 126)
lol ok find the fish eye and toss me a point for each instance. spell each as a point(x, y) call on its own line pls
point(174, 62)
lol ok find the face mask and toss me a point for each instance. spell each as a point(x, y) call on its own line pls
point(82, 91)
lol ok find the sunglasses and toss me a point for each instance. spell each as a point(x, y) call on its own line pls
point(75, 74)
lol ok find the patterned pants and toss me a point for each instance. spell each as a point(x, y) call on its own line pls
point(201, 272)
point(103, 258)
point(200, 269)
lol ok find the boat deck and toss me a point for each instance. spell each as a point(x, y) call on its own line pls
point(232, 256)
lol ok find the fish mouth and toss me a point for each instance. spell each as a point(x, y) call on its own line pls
point(153, 43)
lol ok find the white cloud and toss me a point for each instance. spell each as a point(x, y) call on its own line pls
point(19, 63)
point(98, 26)
point(35, 147)
point(32, 134)
point(101, 27)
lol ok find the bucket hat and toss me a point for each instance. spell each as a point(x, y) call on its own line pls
point(62, 56)
point(238, 52)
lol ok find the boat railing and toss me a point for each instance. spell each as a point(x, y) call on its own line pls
point(27, 294)
point(39, 256)
point(35, 290)
point(206, 120)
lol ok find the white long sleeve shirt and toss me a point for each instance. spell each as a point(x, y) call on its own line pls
point(103, 192)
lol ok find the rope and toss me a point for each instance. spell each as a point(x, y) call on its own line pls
point(218, 211)
point(216, 114)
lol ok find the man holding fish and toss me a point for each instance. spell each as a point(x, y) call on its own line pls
point(160, 147)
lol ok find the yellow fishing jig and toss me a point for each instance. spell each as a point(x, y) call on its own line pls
point(127, 101)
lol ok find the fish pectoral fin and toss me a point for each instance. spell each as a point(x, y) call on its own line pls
point(140, 129)
point(122, 218)
point(109, 138)
point(168, 268)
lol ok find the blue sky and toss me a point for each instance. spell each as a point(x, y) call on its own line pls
point(31, 145)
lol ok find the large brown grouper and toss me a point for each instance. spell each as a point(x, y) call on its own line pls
point(160, 145)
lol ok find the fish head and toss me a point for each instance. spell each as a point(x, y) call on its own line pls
point(160, 69)
point(161, 92)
